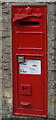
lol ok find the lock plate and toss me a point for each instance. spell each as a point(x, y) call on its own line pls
point(25, 89)
point(21, 59)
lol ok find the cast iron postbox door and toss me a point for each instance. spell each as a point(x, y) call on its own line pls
point(29, 60)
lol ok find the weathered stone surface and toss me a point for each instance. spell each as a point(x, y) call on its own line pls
point(6, 66)
point(6, 58)
point(6, 50)
point(0, 62)
point(27, 1)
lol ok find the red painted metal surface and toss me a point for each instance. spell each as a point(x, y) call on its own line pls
point(25, 89)
point(29, 39)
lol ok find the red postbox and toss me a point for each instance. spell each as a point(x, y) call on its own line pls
point(29, 60)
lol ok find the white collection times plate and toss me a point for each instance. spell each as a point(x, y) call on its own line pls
point(30, 67)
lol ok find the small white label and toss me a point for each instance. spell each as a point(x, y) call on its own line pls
point(30, 67)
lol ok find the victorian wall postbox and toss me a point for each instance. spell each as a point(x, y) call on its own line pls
point(29, 60)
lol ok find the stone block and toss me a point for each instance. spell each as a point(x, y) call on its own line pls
point(6, 66)
point(6, 58)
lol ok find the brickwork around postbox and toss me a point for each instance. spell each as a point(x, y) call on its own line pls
point(7, 59)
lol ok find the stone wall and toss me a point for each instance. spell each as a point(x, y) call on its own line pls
point(6, 53)
point(0, 61)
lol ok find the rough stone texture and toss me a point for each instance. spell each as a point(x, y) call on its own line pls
point(0, 61)
point(55, 60)
point(7, 60)
point(50, 30)
point(28, 1)
point(6, 49)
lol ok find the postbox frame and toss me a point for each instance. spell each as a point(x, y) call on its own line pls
point(14, 63)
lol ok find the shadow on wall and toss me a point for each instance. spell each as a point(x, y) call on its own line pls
point(28, 118)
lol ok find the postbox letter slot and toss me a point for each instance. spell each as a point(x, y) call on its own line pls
point(29, 23)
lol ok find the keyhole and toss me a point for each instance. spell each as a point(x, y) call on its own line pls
point(24, 88)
